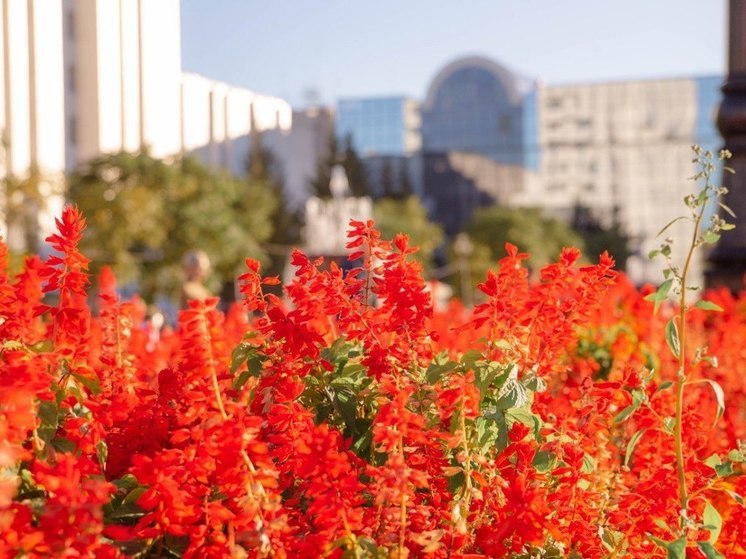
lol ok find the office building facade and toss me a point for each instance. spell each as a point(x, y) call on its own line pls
point(385, 126)
point(621, 150)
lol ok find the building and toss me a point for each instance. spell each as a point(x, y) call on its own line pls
point(31, 116)
point(125, 89)
point(476, 105)
point(299, 149)
point(217, 121)
point(478, 122)
point(385, 126)
point(619, 150)
point(622, 150)
point(82, 78)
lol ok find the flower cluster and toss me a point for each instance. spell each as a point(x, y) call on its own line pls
point(348, 419)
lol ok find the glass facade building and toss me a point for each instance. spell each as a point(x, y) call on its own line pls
point(476, 105)
point(386, 126)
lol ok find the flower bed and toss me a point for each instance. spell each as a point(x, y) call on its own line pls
point(352, 421)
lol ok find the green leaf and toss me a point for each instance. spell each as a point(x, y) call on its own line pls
point(91, 383)
point(440, 366)
point(727, 226)
point(352, 368)
point(589, 464)
point(632, 444)
point(346, 402)
point(611, 539)
point(671, 223)
point(736, 456)
point(736, 497)
point(48, 416)
point(61, 444)
point(709, 550)
point(512, 395)
point(712, 521)
point(240, 354)
point(672, 337)
point(544, 461)
point(660, 294)
point(725, 469)
point(708, 306)
point(102, 451)
point(719, 397)
point(11, 345)
point(713, 461)
point(638, 397)
point(664, 386)
point(241, 379)
point(675, 549)
point(710, 237)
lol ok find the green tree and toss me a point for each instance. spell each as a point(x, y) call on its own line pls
point(25, 197)
point(286, 223)
point(357, 174)
point(388, 188)
point(144, 215)
point(409, 216)
point(320, 181)
point(598, 239)
point(404, 179)
point(527, 228)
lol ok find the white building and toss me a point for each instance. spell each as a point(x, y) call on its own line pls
point(82, 78)
point(623, 151)
point(218, 119)
point(31, 112)
point(299, 150)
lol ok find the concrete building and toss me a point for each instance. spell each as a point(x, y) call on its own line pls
point(123, 77)
point(299, 149)
point(622, 150)
point(82, 78)
point(126, 90)
point(217, 121)
point(31, 116)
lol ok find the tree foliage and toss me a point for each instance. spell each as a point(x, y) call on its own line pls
point(527, 228)
point(320, 181)
point(409, 216)
point(598, 238)
point(144, 214)
point(354, 167)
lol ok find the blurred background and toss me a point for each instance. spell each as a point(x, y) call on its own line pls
point(182, 126)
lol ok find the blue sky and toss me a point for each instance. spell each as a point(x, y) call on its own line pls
point(378, 47)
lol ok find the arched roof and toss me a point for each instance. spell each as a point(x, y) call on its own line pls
point(504, 76)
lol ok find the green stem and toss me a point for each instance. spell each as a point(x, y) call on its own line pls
point(681, 377)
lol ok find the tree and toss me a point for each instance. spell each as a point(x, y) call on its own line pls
point(404, 179)
point(357, 174)
point(598, 239)
point(527, 228)
point(320, 182)
point(388, 188)
point(286, 223)
point(25, 198)
point(144, 215)
point(409, 216)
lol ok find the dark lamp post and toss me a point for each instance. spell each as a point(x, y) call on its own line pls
point(727, 261)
